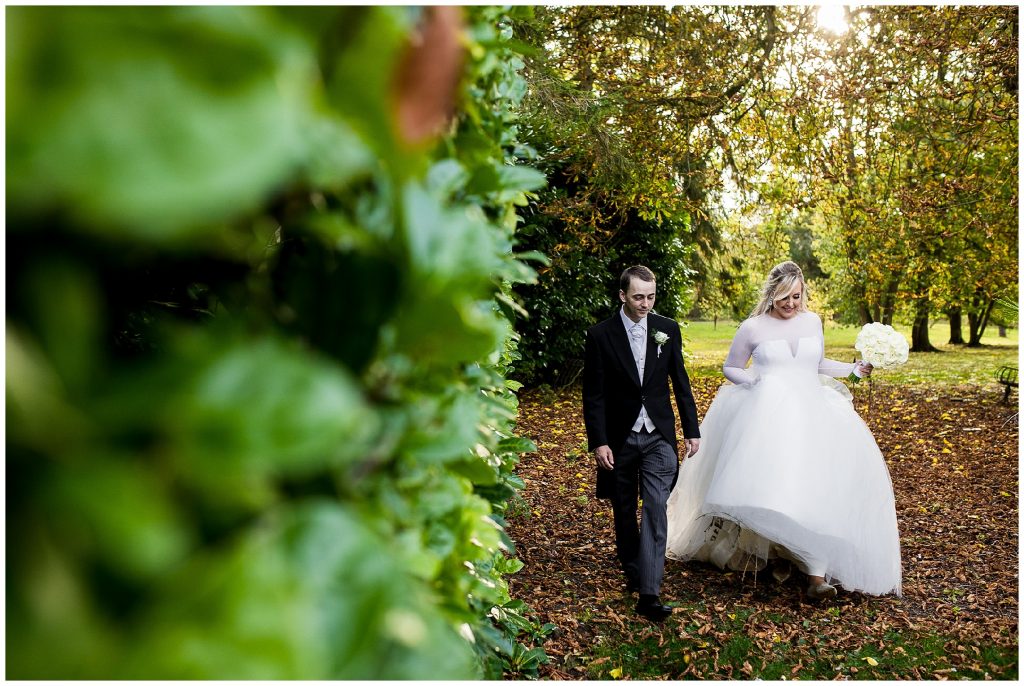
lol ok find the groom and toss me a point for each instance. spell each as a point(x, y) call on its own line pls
point(631, 428)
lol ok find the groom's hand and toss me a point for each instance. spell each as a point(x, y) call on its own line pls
point(692, 446)
point(605, 460)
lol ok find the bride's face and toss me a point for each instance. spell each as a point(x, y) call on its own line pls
point(787, 305)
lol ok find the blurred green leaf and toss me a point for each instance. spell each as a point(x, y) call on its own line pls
point(476, 470)
point(120, 511)
point(313, 594)
point(154, 121)
point(38, 411)
point(359, 71)
point(520, 178)
point(445, 432)
point(511, 566)
point(517, 444)
point(445, 319)
point(445, 177)
point(335, 152)
point(53, 607)
point(496, 176)
point(232, 419)
point(448, 244)
point(62, 300)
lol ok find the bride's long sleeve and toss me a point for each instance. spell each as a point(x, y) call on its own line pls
point(739, 352)
point(830, 367)
point(834, 368)
point(739, 376)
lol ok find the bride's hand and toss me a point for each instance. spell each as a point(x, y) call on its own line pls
point(864, 368)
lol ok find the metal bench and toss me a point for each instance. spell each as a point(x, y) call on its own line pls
point(1007, 376)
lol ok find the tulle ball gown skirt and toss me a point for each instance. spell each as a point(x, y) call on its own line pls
point(787, 468)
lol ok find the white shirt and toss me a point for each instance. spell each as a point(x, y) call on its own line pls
point(640, 357)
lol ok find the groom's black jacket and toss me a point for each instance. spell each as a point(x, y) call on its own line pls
point(613, 391)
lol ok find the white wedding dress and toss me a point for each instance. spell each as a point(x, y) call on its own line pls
point(787, 468)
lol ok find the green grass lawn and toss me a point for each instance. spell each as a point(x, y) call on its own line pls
point(707, 344)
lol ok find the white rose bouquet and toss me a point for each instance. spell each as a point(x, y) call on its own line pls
point(882, 346)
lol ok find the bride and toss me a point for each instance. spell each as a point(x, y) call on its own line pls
point(788, 472)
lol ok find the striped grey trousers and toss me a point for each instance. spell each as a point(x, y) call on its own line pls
point(645, 469)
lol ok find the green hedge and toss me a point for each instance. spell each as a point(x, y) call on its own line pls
point(257, 418)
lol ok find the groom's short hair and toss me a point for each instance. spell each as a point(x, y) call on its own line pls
point(635, 272)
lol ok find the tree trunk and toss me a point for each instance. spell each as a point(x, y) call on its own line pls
point(1002, 331)
point(956, 334)
point(978, 323)
point(864, 312)
point(889, 301)
point(973, 324)
point(985, 319)
point(919, 334)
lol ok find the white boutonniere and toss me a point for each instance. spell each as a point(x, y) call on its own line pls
point(661, 338)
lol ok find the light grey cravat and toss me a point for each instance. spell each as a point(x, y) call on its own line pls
point(636, 339)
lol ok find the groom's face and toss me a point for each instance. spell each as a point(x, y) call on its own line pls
point(639, 299)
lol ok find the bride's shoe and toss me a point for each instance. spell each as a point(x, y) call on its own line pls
point(821, 591)
point(781, 570)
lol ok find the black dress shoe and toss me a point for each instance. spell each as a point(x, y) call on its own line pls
point(651, 608)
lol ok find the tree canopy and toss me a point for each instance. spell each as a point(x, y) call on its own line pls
point(715, 141)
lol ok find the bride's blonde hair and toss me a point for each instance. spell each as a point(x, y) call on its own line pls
point(781, 279)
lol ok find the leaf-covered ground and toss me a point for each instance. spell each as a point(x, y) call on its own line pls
point(953, 456)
